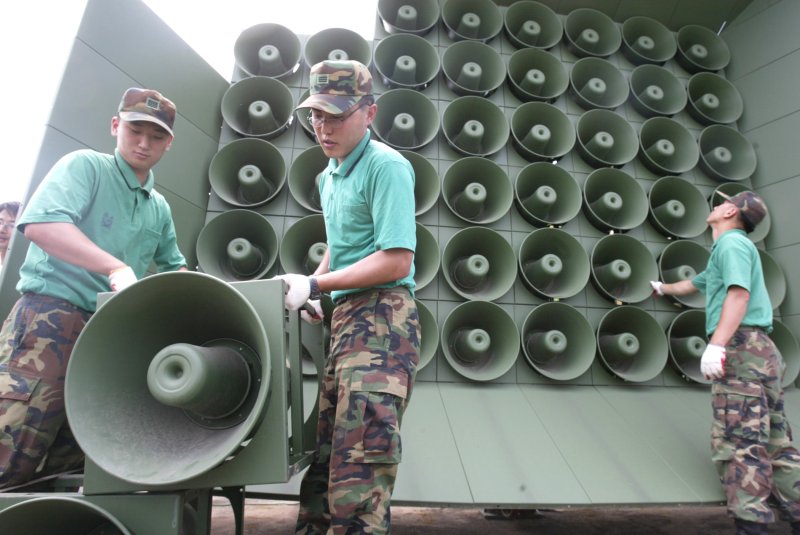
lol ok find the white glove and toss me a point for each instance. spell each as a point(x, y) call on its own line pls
point(656, 285)
point(298, 289)
point(712, 363)
point(318, 314)
point(121, 278)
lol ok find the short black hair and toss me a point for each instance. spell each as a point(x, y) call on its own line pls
point(12, 207)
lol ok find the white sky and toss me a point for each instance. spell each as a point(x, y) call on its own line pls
point(36, 37)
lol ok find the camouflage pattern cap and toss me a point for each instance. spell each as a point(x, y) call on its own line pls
point(147, 105)
point(337, 86)
point(751, 207)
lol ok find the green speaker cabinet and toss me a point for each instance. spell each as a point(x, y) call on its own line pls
point(211, 396)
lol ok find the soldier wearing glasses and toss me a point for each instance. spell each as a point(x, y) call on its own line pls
point(367, 195)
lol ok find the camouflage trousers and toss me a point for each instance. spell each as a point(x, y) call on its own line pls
point(36, 342)
point(750, 437)
point(366, 386)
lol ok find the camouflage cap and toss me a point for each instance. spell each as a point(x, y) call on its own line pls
point(337, 86)
point(751, 207)
point(147, 105)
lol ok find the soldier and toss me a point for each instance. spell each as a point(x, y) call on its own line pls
point(750, 437)
point(367, 196)
point(8, 218)
point(95, 224)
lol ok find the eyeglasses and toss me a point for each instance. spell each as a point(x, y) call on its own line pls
point(333, 121)
point(10, 225)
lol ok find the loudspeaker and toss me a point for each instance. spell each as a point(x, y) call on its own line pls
point(558, 341)
point(687, 341)
point(304, 176)
point(596, 83)
point(725, 154)
point(631, 344)
point(337, 44)
point(479, 264)
point(247, 172)
point(713, 99)
point(237, 245)
point(416, 17)
point(683, 260)
point(731, 189)
point(427, 257)
point(547, 194)
point(480, 340)
point(430, 334)
point(406, 60)
point(606, 139)
point(302, 118)
point(303, 245)
point(667, 147)
point(478, 20)
point(426, 181)
point(473, 68)
point(540, 131)
point(701, 49)
point(645, 40)
point(474, 126)
point(789, 349)
point(773, 278)
point(406, 119)
point(614, 200)
point(553, 264)
point(531, 24)
point(622, 268)
point(178, 406)
point(656, 91)
point(258, 106)
point(589, 32)
point(268, 50)
point(477, 190)
point(677, 208)
point(535, 74)
point(61, 514)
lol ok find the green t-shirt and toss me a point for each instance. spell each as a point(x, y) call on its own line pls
point(100, 194)
point(734, 261)
point(368, 204)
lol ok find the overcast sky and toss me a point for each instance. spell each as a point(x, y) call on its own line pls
point(36, 37)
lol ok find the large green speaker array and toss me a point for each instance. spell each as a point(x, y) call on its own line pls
point(538, 231)
point(559, 157)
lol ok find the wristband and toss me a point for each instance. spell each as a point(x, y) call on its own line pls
point(315, 291)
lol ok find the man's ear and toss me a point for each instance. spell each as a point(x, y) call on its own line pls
point(114, 125)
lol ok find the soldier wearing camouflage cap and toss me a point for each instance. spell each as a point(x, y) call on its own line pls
point(367, 197)
point(95, 224)
point(750, 436)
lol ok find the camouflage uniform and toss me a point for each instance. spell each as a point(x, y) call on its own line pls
point(366, 387)
point(751, 439)
point(36, 342)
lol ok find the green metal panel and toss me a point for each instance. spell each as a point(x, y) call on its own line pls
point(507, 454)
point(631, 470)
point(774, 142)
point(745, 39)
point(782, 76)
point(430, 447)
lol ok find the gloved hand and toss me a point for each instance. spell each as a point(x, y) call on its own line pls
point(656, 285)
point(121, 278)
point(712, 363)
point(318, 314)
point(298, 289)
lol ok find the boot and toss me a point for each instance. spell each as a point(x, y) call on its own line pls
point(745, 527)
point(795, 528)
